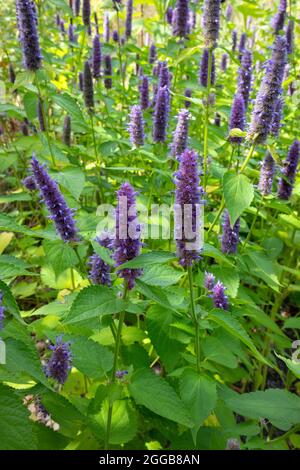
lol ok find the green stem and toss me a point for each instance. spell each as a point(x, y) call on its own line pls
point(195, 319)
point(44, 119)
point(248, 158)
point(252, 226)
point(206, 121)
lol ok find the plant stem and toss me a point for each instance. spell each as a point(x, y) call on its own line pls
point(206, 121)
point(195, 319)
point(44, 119)
point(248, 158)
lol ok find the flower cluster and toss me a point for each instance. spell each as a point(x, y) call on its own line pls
point(180, 136)
point(211, 22)
point(28, 34)
point(136, 126)
point(230, 236)
point(99, 269)
point(60, 363)
point(217, 291)
point(285, 186)
point(267, 173)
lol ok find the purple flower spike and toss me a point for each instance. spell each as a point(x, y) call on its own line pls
point(29, 183)
point(60, 213)
point(136, 126)
point(237, 118)
point(88, 88)
point(224, 62)
point(188, 94)
point(279, 18)
point(203, 76)
point(128, 21)
point(127, 242)
point(86, 13)
point(234, 40)
point(169, 15)
point(161, 115)
point(96, 56)
point(163, 75)
point(267, 173)
point(209, 281)
point(106, 28)
point(152, 54)
point(77, 7)
point(245, 76)
point(277, 116)
point(28, 34)
point(40, 114)
point(228, 12)
point(180, 136)
point(2, 316)
point(99, 270)
point(67, 131)
point(285, 186)
point(59, 364)
point(290, 36)
point(211, 22)
point(107, 72)
point(230, 236)
point(188, 197)
point(144, 93)
point(270, 89)
point(219, 297)
point(180, 18)
point(242, 45)
point(115, 36)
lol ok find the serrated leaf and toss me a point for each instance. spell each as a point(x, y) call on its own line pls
point(60, 255)
point(91, 358)
point(238, 194)
point(154, 293)
point(148, 259)
point(162, 276)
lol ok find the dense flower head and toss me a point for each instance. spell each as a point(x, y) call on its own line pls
point(128, 21)
point(96, 56)
point(268, 93)
point(62, 26)
point(277, 116)
point(237, 117)
point(286, 182)
point(29, 183)
point(234, 40)
point(71, 33)
point(224, 62)
point(152, 53)
point(127, 243)
point(169, 15)
point(2, 315)
point(28, 34)
point(136, 126)
point(120, 374)
point(230, 235)
point(100, 271)
point(60, 213)
point(219, 297)
point(41, 115)
point(67, 131)
point(188, 198)
point(203, 75)
point(267, 173)
point(180, 18)
point(77, 7)
point(144, 92)
point(242, 45)
point(211, 22)
point(290, 36)
point(245, 76)
point(60, 363)
point(86, 12)
point(279, 18)
point(115, 36)
point(88, 88)
point(161, 115)
point(163, 75)
point(180, 136)
point(107, 71)
point(187, 94)
point(209, 281)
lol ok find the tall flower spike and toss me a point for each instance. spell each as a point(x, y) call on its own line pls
point(163, 75)
point(277, 116)
point(60, 213)
point(115, 36)
point(86, 13)
point(188, 197)
point(224, 61)
point(203, 75)
point(237, 118)
point(96, 56)
point(245, 76)
point(180, 136)
point(136, 126)
point(59, 364)
point(187, 94)
point(88, 88)
point(181, 18)
point(267, 173)
point(230, 235)
point(152, 54)
point(211, 22)
point(28, 34)
point(209, 281)
point(67, 131)
point(242, 45)
point(144, 93)
point(127, 243)
point(2, 316)
point(219, 297)
point(234, 40)
point(290, 37)
point(285, 185)
point(169, 15)
point(269, 91)
point(77, 7)
point(229, 11)
point(279, 18)
point(99, 269)
point(161, 115)
point(106, 28)
point(107, 71)
point(40, 114)
point(128, 21)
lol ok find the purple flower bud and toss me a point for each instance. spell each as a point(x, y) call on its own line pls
point(28, 34)
point(267, 173)
point(115, 36)
point(67, 131)
point(136, 126)
point(29, 183)
point(277, 116)
point(80, 81)
point(188, 94)
point(229, 11)
point(163, 75)
point(96, 57)
point(233, 444)
point(180, 18)
point(86, 13)
point(127, 242)
point(188, 197)
point(77, 7)
point(62, 26)
point(144, 93)
point(128, 21)
point(234, 40)
point(99, 270)
point(88, 88)
point(270, 88)
point(218, 119)
point(279, 18)
point(2, 316)
point(285, 185)
point(55, 202)
point(230, 236)
point(106, 28)
point(169, 14)
point(71, 34)
point(120, 374)
point(59, 364)
point(211, 22)
point(161, 115)
point(224, 61)
point(290, 36)
point(180, 136)
point(245, 76)
point(41, 115)
point(242, 45)
point(209, 281)
point(237, 118)
point(203, 75)
point(11, 73)
point(107, 71)
point(152, 54)
point(219, 297)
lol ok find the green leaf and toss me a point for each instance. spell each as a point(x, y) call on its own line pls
point(154, 293)
point(12, 197)
point(72, 178)
point(158, 396)
point(69, 104)
point(294, 366)
point(148, 259)
point(230, 279)
point(16, 428)
point(162, 276)
point(238, 194)
point(104, 253)
point(30, 101)
point(92, 302)
point(91, 358)
point(8, 223)
point(9, 302)
point(59, 255)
